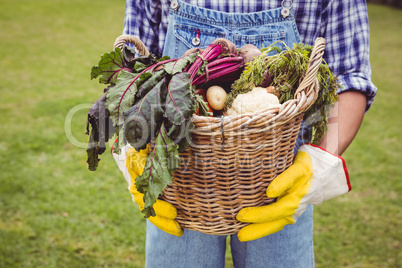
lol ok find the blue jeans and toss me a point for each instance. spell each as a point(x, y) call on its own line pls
point(291, 247)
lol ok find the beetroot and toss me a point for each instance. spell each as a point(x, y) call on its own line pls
point(249, 52)
point(193, 50)
point(209, 54)
point(227, 46)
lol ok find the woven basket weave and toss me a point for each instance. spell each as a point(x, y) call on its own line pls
point(232, 159)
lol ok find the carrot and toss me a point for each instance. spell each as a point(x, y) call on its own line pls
point(272, 90)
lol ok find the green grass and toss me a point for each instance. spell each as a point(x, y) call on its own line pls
point(55, 213)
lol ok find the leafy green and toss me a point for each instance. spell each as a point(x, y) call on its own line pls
point(154, 79)
point(101, 131)
point(159, 168)
point(164, 111)
point(109, 67)
point(175, 67)
point(138, 63)
point(144, 118)
point(116, 69)
point(120, 98)
point(179, 104)
point(148, 105)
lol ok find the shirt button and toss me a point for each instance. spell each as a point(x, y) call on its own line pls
point(196, 41)
point(174, 5)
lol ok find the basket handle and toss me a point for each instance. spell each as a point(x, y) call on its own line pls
point(308, 89)
point(310, 81)
point(139, 45)
point(313, 64)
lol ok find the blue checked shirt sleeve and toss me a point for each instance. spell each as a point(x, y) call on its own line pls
point(143, 19)
point(346, 30)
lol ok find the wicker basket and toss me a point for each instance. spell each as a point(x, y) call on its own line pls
point(232, 159)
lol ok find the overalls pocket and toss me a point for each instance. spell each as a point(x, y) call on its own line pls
point(188, 36)
point(261, 40)
point(261, 35)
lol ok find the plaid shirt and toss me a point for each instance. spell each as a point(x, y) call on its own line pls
point(344, 25)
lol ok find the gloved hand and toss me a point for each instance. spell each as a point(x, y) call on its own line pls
point(314, 177)
point(132, 163)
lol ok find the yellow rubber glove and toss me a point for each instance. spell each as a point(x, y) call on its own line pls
point(314, 177)
point(132, 163)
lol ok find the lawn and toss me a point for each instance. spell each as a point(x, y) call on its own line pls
point(56, 213)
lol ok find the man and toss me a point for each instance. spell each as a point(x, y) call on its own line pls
point(281, 233)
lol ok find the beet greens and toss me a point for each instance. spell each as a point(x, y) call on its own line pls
point(151, 101)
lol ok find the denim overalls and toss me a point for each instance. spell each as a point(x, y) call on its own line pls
point(190, 26)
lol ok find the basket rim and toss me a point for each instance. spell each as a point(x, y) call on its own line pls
point(305, 96)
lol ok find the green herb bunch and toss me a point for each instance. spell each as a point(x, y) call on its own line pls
point(286, 69)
